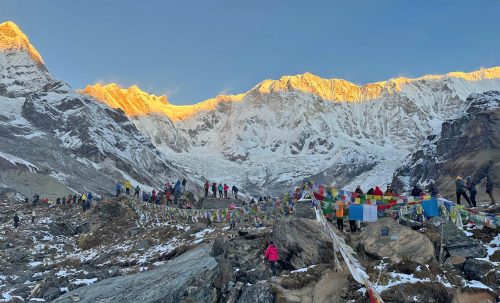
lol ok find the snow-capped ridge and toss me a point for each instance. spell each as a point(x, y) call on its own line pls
point(342, 90)
point(135, 102)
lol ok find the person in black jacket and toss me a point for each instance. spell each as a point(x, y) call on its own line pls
point(471, 187)
point(36, 198)
point(432, 188)
point(16, 220)
point(489, 189)
point(416, 191)
point(459, 185)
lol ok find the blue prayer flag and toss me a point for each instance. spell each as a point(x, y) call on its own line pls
point(355, 212)
point(430, 207)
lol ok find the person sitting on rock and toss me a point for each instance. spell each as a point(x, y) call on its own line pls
point(416, 191)
point(370, 191)
point(460, 191)
point(272, 256)
point(489, 189)
point(471, 187)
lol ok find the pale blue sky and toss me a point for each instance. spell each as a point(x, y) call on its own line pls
point(194, 50)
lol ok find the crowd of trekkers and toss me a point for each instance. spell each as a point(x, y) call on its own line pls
point(470, 186)
point(85, 200)
point(169, 195)
point(222, 190)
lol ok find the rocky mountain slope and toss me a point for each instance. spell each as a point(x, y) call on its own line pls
point(122, 250)
point(467, 146)
point(284, 130)
point(54, 141)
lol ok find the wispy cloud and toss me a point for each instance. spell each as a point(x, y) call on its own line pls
point(225, 91)
point(169, 92)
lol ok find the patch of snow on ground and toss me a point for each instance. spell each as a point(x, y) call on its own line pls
point(35, 264)
point(302, 269)
point(475, 284)
point(84, 281)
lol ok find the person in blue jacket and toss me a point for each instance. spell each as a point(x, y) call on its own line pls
point(118, 188)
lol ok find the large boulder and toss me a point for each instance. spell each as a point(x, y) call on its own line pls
point(62, 228)
point(455, 241)
point(304, 210)
point(477, 269)
point(260, 292)
point(187, 278)
point(401, 242)
point(302, 242)
point(416, 292)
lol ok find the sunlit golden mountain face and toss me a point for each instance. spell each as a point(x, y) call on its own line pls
point(12, 38)
point(135, 102)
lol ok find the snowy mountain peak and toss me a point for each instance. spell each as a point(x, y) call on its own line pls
point(22, 70)
point(135, 102)
point(12, 38)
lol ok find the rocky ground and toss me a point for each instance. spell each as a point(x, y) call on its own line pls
point(115, 253)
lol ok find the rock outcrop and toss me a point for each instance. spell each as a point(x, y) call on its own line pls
point(455, 241)
point(187, 278)
point(302, 242)
point(401, 243)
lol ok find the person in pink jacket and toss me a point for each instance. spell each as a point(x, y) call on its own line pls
point(272, 255)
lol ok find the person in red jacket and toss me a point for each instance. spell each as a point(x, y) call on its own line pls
point(226, 188)
point(272, 255)
point(206, 186)
point(153, 196)
point(378, 192)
